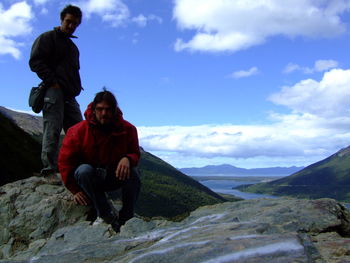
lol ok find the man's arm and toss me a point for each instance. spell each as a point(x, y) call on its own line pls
point(68, 160)
point(133, 152)
point(42, 58)
point(132, 156)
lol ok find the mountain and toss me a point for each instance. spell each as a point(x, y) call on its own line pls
point(327, 178)
point(165, 191)
point(19, 152)
point(29, 123)
point(168, 192)
point(41, 224)
point(226, 169)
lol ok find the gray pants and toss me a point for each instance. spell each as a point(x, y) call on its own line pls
point(58, 113)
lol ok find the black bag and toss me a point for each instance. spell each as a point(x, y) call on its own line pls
point(36, 98)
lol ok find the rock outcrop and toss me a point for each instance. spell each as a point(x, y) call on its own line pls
point(39, 223)
point(19, 152)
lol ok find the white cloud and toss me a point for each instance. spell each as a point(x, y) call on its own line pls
point(328, 98)
point(318, 126)
point(319, 66)
point(244, 73)
point(14, 23)
point(114, 12)
point(44, 11)
point(235, 25)
point(291, 138)
point(142, 20)
point(324, 65)
point(155, 18)
point(9, 46)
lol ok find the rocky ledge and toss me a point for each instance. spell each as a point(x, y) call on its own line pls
point(40, 223)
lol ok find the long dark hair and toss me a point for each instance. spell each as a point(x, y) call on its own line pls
point(106, 96)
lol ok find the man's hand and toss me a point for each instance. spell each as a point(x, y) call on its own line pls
point(123, 169)
point(81, 199)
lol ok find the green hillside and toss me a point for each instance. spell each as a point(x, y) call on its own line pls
point(19, 152)
point(168, 192)
point(327, 178)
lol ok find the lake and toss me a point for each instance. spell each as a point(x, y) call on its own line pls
point(225, 185)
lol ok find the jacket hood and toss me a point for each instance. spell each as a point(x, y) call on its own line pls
point(90, 117)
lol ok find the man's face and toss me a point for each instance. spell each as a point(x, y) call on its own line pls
point(104, 113)
point(69, 24)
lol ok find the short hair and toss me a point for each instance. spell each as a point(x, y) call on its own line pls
point(106, 96)
point(73, 10)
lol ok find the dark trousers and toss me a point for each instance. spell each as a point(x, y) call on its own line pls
point(96, 182)
point(58, 113)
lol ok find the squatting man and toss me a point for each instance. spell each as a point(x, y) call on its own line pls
point(100, 154)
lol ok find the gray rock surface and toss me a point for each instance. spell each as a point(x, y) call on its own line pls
point(40, 223)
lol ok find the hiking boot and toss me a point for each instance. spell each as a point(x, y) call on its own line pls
point(113, 220)
point(116, 226)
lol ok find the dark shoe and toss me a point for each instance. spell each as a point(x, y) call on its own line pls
point(116, 226)
point(113, 220)
point(47, 171)
point(51, 177)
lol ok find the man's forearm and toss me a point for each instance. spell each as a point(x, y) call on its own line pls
point(44, 72)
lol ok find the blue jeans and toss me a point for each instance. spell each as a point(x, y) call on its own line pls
point(95, 182)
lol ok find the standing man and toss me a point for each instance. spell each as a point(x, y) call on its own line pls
point(99, 155)
point(55, 59)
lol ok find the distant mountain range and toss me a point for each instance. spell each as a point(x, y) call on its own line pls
point(327, 178)
point(226, 169)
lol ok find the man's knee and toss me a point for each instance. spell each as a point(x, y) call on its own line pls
point(84, 173)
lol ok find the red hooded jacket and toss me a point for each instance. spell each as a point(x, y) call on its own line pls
point(87, 143)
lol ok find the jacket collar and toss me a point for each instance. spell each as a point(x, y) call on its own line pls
point(58, 30)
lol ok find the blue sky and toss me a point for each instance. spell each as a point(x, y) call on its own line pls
point(252, 83)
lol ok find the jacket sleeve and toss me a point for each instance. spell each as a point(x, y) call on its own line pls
point(133, 153)
point(68, 160)
point(42, 58)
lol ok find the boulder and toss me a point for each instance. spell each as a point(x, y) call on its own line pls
point(40, 223)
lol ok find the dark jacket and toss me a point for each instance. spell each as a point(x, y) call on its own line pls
point(55, 59)
point(87, 143)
